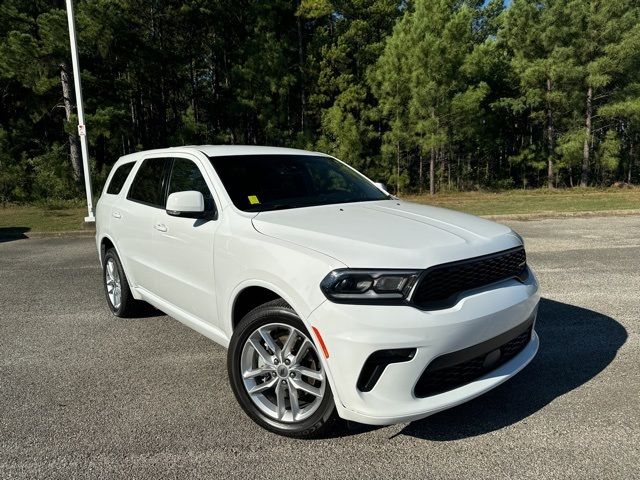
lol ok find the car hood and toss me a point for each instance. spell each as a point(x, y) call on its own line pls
point(387, 233)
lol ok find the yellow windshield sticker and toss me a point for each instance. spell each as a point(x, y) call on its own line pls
point(253, 200)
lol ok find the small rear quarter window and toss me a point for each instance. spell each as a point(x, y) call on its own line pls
point(119, 177)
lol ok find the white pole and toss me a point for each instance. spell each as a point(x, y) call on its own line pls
point(82, 129)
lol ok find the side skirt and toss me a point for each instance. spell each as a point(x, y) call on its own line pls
point(200, 326)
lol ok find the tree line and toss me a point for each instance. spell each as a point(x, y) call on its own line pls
point(424, 95)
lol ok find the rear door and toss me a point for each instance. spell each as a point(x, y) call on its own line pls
point(107, 206)
point(184, 246)
point(133, 219)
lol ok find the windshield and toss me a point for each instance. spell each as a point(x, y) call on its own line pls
point(258, 183)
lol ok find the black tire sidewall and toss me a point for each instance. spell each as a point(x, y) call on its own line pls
point(253, 320)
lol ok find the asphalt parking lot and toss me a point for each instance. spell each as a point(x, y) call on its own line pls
point(86, 395)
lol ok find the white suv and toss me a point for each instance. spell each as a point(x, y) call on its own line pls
point(333, 297)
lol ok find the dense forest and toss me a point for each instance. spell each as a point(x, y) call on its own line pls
point(424, 95)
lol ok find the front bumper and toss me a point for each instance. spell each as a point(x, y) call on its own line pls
point(353, 332)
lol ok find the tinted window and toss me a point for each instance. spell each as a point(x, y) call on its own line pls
point(186, 175)
point(270, 182)
point(148, 185)
point(119, 177)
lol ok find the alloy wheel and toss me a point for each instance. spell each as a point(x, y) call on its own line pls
point(114, 285)
point(282, 372)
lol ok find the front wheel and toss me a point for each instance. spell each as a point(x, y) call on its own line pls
point(276, 373)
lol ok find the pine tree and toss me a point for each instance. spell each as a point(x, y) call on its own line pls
point(389, 79)
point(598, 30)
point(536, 35)
point(428, 52)
point(468, 93)
point(343, 98)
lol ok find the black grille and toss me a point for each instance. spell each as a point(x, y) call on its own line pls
point(440, 286)
point(441, 375)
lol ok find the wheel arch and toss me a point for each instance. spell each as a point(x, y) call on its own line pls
point(252, 293)
point(249, 298)
point(107, 242)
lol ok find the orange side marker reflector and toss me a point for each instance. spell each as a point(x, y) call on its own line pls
point(321, 341)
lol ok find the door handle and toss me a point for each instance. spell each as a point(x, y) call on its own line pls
point(116, 215)
point(161, 227)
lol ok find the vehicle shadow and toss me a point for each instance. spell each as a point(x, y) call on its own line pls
point(575, 345)
point(8, 234)
point(146, 310)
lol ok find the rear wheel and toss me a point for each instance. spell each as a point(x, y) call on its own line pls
point(276, 373)
point(116, 287)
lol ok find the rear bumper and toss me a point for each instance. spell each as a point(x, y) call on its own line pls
point(353, 332)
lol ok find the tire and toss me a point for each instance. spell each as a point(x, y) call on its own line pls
point(276, 382)
point(115, 281)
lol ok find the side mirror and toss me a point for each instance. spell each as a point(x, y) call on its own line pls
point(186, 204)
point(381, 186)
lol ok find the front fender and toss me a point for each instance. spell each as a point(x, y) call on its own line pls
point(246, 258)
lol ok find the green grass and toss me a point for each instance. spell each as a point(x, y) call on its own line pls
point(40, 218)
point(69, 215)
point(539, 201)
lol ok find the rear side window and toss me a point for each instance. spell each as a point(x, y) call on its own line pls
point(148, 185)
point(186, 175)
point(119, 177)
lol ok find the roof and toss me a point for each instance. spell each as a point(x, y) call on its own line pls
point(222, 151)
point(225, 150)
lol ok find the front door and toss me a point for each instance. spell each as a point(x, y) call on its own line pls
point(184, 247)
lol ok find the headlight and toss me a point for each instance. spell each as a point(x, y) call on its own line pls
point(347, 285)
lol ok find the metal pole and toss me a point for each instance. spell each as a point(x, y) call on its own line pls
point(82, 129)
